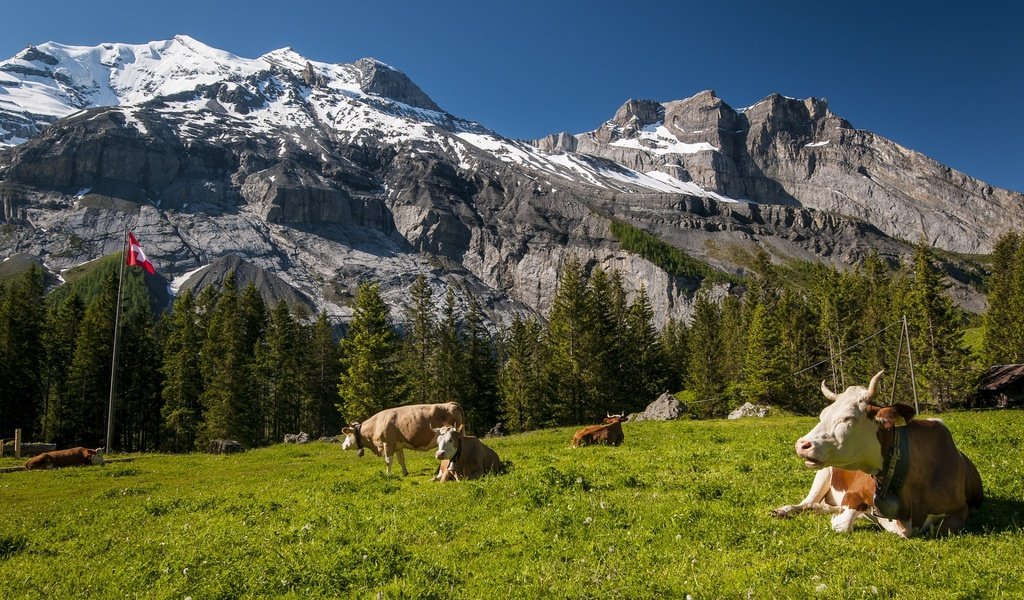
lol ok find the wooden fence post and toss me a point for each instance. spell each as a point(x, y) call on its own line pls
point(17, 443)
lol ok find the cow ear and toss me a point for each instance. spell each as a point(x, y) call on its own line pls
point(888, 417)
point(347, 430)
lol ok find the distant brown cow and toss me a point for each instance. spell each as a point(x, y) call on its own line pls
point(392, 430)
point(608, 433)
point(72, 457)
point(463, 456)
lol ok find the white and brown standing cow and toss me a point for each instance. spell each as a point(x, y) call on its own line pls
point(609, 432)
point(393, 430)
point(71, 457)
point(463, 456)
point(881, 463)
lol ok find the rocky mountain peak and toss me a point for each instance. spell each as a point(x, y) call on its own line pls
point(639, 113)
point(384, 80)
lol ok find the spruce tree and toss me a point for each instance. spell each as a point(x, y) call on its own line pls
point(647, 364)
point(607, 346)
point(323, 370)
point(523, 397)
point(676, 350)
point(420, 343)
point(941, 358)
point(449, 364)
point(570, 367)
point(62, 328)
point(1001, 344)
point(231, 411)
point(183, 382)
point(280, 364)
point(370, 377)
point(22, 322)
point(137, 418)
point(765, 368)
point(85, 422)
point(480, 398)
point(704, 376)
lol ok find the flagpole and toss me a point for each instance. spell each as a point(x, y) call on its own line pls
point(117, 340)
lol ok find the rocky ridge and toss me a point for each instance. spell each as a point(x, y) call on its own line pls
point(316, 176)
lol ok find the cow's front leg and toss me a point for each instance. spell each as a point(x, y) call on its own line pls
point(843, 522)
point(819, 489)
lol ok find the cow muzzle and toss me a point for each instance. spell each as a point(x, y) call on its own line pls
point(807, 450)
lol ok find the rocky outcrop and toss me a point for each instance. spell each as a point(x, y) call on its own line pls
point(797, 152)
point(383, 80)
point(748, 410)
point(665, 408)
point(274, 173)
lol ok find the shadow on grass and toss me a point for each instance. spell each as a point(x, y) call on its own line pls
point(996, 515)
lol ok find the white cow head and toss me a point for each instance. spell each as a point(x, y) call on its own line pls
point(448, 441)
point(97, 459)
point(846, 435)
point(350, 438)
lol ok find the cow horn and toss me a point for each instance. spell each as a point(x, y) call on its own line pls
point(827, 392)
point(873, 386)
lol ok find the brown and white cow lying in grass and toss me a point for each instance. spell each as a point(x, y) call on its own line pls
point(882, 463)
point(610, 432)
point(392, 430)
point(71, 457)
point(464, 456)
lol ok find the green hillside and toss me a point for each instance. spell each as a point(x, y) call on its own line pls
point(682, 508)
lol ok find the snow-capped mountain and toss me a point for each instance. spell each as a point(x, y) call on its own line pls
point(323, 174)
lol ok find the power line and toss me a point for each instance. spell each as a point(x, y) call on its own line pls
point(863, 341)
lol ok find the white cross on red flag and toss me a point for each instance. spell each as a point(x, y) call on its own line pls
point(136, 257)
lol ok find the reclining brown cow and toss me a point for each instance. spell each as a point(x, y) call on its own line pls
point(71, 457)
point(610, 432)
point(882, 463)
point(464, 456)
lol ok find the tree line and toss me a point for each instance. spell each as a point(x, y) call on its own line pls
point(223, 364)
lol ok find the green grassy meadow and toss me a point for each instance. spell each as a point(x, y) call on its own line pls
point(681, 509)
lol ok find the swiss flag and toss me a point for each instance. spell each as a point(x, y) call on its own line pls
point(136, 257)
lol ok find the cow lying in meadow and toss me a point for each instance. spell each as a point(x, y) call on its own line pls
point(464, 456)
point(71, 457)
point(883, 463)
point(609, 432)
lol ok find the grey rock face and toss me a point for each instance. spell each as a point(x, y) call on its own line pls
point(298, 187)
point(750, 410)
point(665, 408)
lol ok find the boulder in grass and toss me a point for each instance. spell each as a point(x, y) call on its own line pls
point(296, 438)
point(750, 410)
point(666, 408)
point(225, 447)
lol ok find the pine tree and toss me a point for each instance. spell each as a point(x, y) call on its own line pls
point(704, 376)
point(942, 359)
point(323, 370)
point(449, 364)
point(676, 350)
point(765, 368)
point(419, 343)
point(183, 382)
point(523, 397)
point(606, 344)
point(1000, 342)
point(22, 322)
point(648, 370)
point(570, 366)
point(137, 417)
point(280, 364)
point(370, 377)
point(62, 328)
point(229, 406)
point(89, 375)
point(480, 398)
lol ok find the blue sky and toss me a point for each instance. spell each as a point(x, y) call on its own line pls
point(943, 78)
